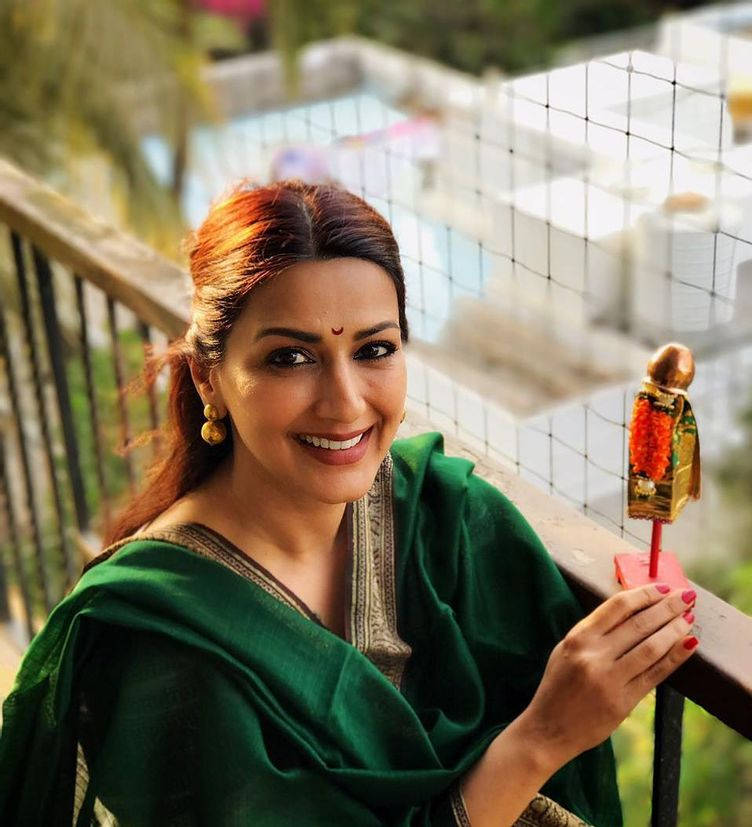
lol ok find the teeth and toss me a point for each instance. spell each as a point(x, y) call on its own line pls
point(330, 443)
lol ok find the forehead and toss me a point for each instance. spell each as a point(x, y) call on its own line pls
point(318, 293)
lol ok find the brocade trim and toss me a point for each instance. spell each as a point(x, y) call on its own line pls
point(459, 810)
point(540, 812)
point(544, 812)
point(373, 598)
point(209, 543)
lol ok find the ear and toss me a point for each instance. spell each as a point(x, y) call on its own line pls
point(207, 386)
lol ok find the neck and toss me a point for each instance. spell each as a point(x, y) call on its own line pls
point(250, 505)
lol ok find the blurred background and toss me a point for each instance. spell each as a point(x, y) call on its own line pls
point(570, 185)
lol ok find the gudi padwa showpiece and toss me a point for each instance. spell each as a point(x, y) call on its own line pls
point(664, 462)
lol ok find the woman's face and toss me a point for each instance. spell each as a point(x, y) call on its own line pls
point(316, 352)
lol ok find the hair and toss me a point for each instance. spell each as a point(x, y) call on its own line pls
point(249, 236)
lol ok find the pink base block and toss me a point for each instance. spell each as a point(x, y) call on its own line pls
point(633, 570)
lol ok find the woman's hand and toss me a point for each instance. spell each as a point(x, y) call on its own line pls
point(610, 660)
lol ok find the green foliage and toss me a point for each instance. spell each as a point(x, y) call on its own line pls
point(513, 35)
point(69, 72)
point(716, 771)
point(716, 780)
point(633, 746)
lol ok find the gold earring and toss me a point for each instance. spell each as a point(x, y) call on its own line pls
point(404, 414)
point(213, 431)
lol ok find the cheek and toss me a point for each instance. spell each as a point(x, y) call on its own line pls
point(259, 404)
point(390, 387)
point(276, 403)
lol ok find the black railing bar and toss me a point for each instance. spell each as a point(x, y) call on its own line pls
point(145, 333)
point(15, 541)
point(117, 364)
point(669, 710)
point(19, 417)
point(91, 394)
point(27, 315)
point(9, 525)
point(55, 351)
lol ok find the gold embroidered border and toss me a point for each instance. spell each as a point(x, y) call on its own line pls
point(206, 542)
point(544, 812)
point(372, 599)
point(540, 812)
point(373, 614)
point(459, 811)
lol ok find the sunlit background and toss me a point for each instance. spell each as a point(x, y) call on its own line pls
point(570, 185)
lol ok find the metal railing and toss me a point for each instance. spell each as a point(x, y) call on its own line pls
point(59, 474)
point(48, 436)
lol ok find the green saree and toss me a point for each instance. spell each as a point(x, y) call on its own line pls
point(180, 683)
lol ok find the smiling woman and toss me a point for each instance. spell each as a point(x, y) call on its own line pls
point(332, 387)
point(300, 619)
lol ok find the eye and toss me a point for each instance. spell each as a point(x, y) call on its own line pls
point(389, 347)
point(286, 358)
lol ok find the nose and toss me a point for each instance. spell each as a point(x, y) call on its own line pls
point(340, 395)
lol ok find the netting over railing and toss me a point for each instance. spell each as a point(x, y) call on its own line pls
point(554, 228)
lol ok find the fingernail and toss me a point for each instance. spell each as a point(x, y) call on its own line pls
point(689, 617)
point(688, 596)
point(663, 588)
point(691, 642)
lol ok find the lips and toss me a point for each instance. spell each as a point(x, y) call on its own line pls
point(345, 456)
point(335, 437)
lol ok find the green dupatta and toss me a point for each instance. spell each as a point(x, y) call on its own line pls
point(165, 689)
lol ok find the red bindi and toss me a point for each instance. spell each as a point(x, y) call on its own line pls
point(337, 331)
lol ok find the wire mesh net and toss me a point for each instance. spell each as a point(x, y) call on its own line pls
point(554, 229)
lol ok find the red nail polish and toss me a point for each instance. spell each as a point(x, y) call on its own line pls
point(663, 588)
point(689, 617)
point(691, 642)
point(688, 596)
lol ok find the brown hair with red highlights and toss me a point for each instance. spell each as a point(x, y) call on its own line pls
point(250, 235)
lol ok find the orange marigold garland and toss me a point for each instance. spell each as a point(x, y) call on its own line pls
point(650, 439)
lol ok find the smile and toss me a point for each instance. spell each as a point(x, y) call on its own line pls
point(331, 444)
point(335, 452)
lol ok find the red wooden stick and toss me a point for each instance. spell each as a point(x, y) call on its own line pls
point(655, 548)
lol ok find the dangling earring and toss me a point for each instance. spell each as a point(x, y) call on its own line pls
point(404, 414)
point(213, 431)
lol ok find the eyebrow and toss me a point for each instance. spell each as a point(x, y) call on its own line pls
point(313, 337)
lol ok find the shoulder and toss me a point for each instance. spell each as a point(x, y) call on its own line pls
point(423, 473)
point(160, 543)
point(462, 521)
point(421, 467)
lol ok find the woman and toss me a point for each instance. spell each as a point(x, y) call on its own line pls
point(302, 621)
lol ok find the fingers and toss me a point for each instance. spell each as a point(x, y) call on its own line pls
point(621, 606)
point(659, 654)
point(680, 652)
point(645, 622)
